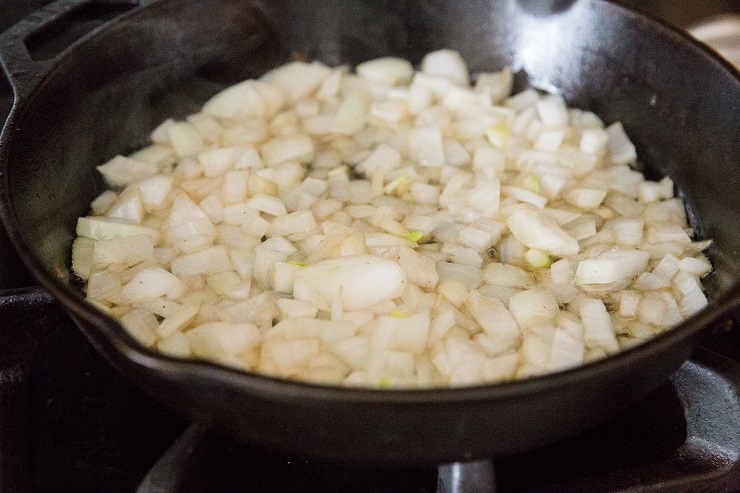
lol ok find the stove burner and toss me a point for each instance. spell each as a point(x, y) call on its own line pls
point(170, 472)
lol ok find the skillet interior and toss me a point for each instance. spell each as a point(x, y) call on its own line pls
point(107, 92)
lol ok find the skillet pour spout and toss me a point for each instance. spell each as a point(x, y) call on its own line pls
point(105, 91)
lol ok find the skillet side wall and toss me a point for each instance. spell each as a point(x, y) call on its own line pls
point(164, 60)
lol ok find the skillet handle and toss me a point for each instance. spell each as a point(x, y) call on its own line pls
point(31, 47)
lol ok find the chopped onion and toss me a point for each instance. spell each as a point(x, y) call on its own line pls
point(389, 71)
point(448, 64)
point(389, 228)
point(121, 170)
point(538, 231)
point(360, 280)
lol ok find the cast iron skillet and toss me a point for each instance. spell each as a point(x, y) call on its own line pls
point(79, 106)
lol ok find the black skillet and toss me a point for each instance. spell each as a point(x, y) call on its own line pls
point(105, 91)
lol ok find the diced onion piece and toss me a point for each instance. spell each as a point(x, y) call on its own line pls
point(585, 198)
point(523, 100)
point(288, 356)
point(692, 297)
point(419, 269)
point(216, 162)
point(499, 135)
point(236, 185)
point(178, 320)
point(459, 98)
point(532, 183)
point(102, 285)
point(565, 351)
point(218, 339)
point(486, 197)
point(152, 283)
point(161, 156)
point(126, 250)
point(594, 141)
point(101, 228)
point(524, 195)
point(535, 352)
point(266, 203)
point(140, 323)
point(533, 307)
point(550, 140)
point(628, 230)
point(121, 170)
point(424, 89)
point(208, 261)
point(360, 280)
point(411, 332)
point(229, 284)
point(496, 84)
point(284, 276)
point(538, 231)
point(128, 207)
point(426, 146)
point(667, 233)
point(448, 64)
point(351, 115)
point(621, 148)
point(102, 202)
point(612, 266)
point(468, 275)
point(383, 157)
point(492, 316)
point(552, 111)
point(695, 266)
point(489, 158)
point(294, 222)
point(507, 275)
point(510, 249)
point(453, 291)
point(537, 259)
point(249, 158)
point(389, 71)
point(598, 331)
point(185, 138)
point(296, 308)
point(250, 98)
point(561, 271)
point(298, 79)
point(652, 310)
point(176, 345)
point(193, 235)
point(295, 148)
point(629, 301)
point(82, 257)
point(667, 267)
point(155, 190)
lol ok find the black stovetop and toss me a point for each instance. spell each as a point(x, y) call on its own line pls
point(71, 423)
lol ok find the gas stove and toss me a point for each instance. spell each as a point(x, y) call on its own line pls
point(70, 423)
